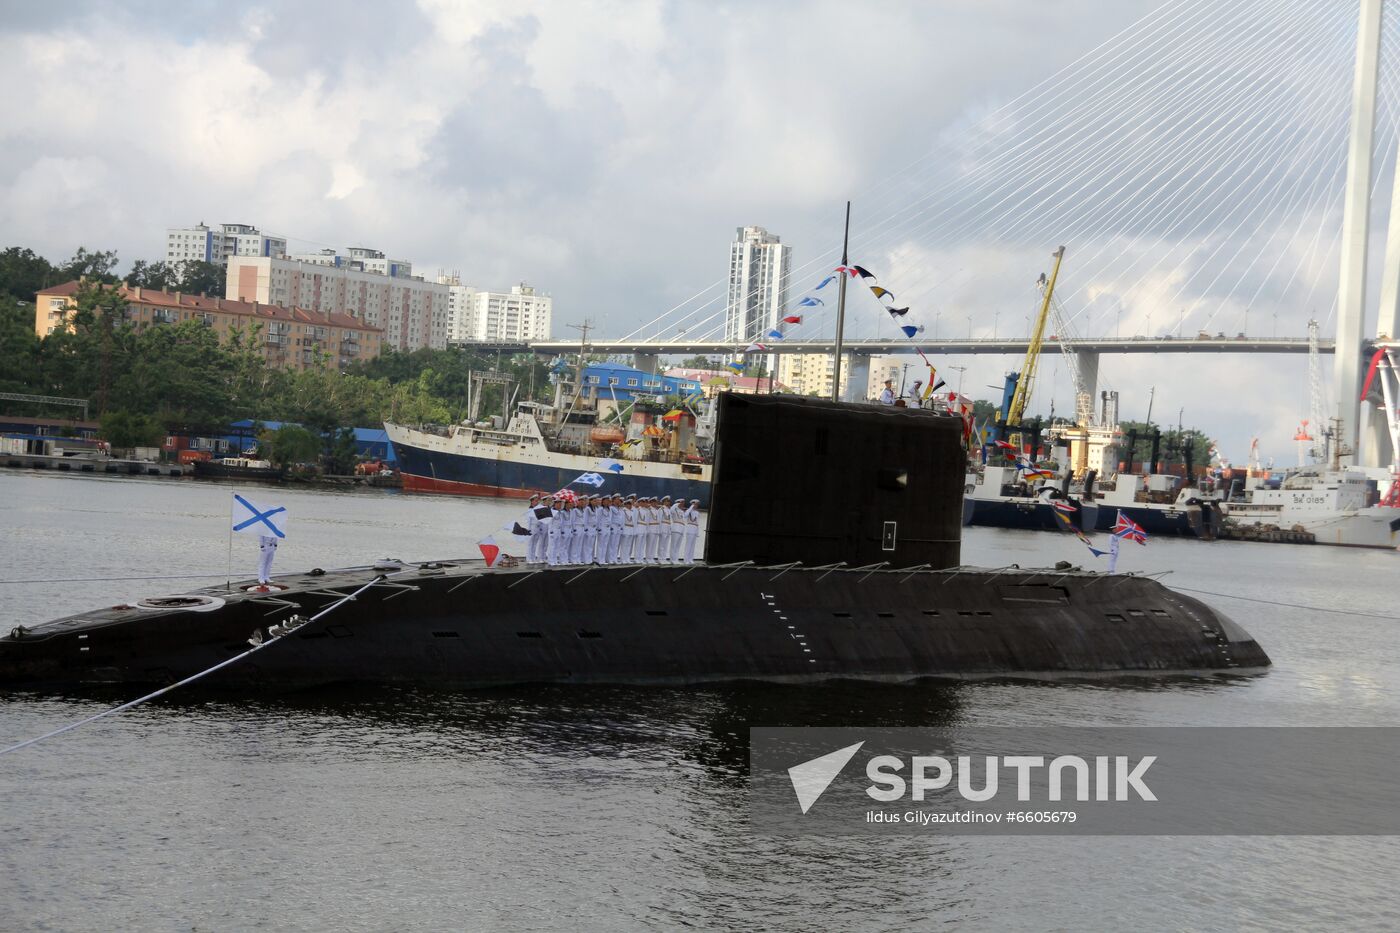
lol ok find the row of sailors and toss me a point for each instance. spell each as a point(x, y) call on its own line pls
point(613, 530)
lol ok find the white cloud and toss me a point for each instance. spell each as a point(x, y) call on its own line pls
point(606, 151)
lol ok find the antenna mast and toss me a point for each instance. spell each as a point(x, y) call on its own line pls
point(1316, 401)
point(841, 308)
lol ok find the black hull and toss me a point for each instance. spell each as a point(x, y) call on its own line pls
point(206, 470)
point(1027, 514)
point(1193, 521)
point(470, 627)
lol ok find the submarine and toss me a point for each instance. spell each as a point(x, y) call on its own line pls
point(832, 552)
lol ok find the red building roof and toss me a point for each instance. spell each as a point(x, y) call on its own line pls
point(159, 298)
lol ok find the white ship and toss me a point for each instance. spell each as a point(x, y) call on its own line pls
point(1334, 504)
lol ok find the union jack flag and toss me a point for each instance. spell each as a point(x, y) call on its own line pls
point(1125, 527)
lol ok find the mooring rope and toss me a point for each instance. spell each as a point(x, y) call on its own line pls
point(193, 677)
point(1270, 602)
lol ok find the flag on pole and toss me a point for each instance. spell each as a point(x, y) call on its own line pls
point(1125, 527)
point(251, 519)
point(609, 464)
point(589, 479)
point(490, 550)
point(1113, 553)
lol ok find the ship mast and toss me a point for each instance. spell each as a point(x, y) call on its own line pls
point(841, 309)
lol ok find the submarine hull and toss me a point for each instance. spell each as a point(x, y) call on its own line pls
point(464, 626)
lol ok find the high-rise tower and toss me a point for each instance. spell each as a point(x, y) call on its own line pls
point(759, 267)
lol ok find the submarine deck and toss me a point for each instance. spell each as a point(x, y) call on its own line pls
point(460, 623)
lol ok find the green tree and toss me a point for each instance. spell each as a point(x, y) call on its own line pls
point(197, 277)
point(24, 272)
point(80, 362)
point(126, 429)
point(150, 275)
point(96, 265)
point(340, 452)
point(1171, 450)
point(291, 444)
point(19, 347)
point(700, 362)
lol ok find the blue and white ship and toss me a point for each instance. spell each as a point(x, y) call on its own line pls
point(544, 448)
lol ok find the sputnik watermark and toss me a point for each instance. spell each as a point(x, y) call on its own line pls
point(1116, 778)
point(1180, 781)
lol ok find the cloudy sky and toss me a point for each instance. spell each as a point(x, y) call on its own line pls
point(605, 152)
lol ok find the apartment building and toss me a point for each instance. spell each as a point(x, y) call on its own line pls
point(217, 244)
point(288, 338)
point(411, 312)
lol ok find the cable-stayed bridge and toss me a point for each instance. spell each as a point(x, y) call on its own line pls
point(1209, 164)
point(646, 354)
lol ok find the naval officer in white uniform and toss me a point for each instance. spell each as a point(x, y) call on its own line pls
point(615, 518)
point(604, 530)
point(692, 529)
point(663, 517)
point(677, 529)
point(627, 554)
point(573, 534)
point(556, 533)
point(532, 525)
point(267, 547)
point(651, 527)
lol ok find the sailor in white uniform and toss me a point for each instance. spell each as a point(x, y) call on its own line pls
point(532, 525)
point(267, 546)
point(692, 529)
point(658, 532)
point(556, 533)
point(587, 532)
point(573, 535)
point(663, 547)
point(650, 527)
point(677, 529)
point(601, 520)
point(603, 507)
point(627, 554)
point(615, 515)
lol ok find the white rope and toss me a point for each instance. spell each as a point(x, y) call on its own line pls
point(188, 680)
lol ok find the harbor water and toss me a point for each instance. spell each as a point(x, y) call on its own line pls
point(606, 807)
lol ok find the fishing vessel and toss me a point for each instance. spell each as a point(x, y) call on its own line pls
point(240, 468)
point(868, 585)
point(545, 447)
point(998, 497)
point(1336, 505)
point(1161, 504)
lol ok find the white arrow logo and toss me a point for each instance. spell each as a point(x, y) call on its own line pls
point(811, 778)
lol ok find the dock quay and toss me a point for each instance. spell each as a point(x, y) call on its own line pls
point(1269, 534)
point(91, 465)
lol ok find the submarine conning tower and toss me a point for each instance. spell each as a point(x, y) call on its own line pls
point(818, 482)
